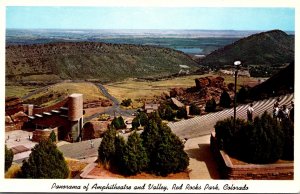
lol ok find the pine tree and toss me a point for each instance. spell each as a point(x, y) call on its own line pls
point(169, 156)
point(210, 105)
point(225, 100)
point(194, 110)
point(164, 149)
point(45, 161)
point(169, 114)
point(242, 95)
point(181, 113)
point(135, 123)
point(106, 151)
point(52, 136)
point(288, 148)
point(118, 123)
point(120, 157)
point(143, 118)
point(9, 155)
point(136, 155)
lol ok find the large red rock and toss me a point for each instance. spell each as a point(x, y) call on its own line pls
point(94, 129)
point(202, 82)
point(176, 92)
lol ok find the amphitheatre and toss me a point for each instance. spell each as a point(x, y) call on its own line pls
point(195, 131)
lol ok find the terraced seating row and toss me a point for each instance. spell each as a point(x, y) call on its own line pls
point(202, 125)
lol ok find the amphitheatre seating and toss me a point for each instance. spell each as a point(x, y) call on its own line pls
point(203, 125)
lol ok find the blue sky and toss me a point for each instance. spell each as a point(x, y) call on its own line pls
point(210, 18)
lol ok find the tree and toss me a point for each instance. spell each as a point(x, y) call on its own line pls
point(118, 123)
point(225, 100)
point(9, 155)
point(45, 161)
point(288, 148)
point(126, 102)
point(164, 149)
point(106, 151)
point(143, 118)
point(181, 113)
point(242, 95)
point(210, 105)
point(135, 122)
point(52, 136)
point(169, 156)
point(169, 114)
point(259, 142)
point(194, 110)
point(135, 155)
point(120, 159)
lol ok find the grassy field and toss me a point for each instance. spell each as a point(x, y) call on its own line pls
point(19, 91)
point(139, 90)
point(58, 92)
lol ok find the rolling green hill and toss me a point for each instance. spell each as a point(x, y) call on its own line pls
point(268, 48)
point(85, 60)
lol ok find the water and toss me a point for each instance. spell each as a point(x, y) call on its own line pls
point(194, 50)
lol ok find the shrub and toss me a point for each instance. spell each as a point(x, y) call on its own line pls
point(52, 136)
point(9, 155)
point(288, 148)
point(134, 155)
point(143, 118)
point(242, 95)
point(13, 172)
point(169, 114)
point(258, 142)
point(169, 156)
point(225, 100)
point(135, 122)
point(118, 123)
point(120, 159)
point(210, 105)
point(194, 110)
point(181, 113)
point(106, 149)
point(45, 161)
point(164, 149)
point(103, 117)
point(166, 112)
point(126, 102)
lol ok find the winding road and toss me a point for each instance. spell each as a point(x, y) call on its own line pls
point(114, 110)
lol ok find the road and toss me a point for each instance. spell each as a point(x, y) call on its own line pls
point(114, 110)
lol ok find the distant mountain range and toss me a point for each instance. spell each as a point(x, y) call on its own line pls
point(267, 48)
point(87, 60)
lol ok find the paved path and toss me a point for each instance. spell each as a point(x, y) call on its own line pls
point(81, 150)
point(202, 125)
point(202, 164)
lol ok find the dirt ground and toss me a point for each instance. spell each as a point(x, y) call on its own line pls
point(102, 173)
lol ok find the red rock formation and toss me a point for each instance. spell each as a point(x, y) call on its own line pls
point(176, 92)
point(94, 129)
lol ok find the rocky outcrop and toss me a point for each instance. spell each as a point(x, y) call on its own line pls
point(94, 129)
point(205, 89)
point(13, 105)
point(176, 92)
point(210, 81)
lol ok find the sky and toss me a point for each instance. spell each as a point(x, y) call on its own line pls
point(205, 18)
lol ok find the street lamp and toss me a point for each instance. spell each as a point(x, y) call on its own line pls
point(236, 65)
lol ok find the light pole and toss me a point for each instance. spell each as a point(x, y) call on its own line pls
point(236, 65)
